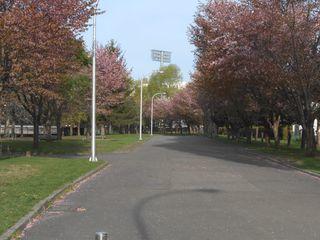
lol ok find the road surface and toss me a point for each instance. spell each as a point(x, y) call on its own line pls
point(187, 188)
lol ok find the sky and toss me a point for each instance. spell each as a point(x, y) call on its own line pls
point(141, 25)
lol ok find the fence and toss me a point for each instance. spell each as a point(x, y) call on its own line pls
point(25, 130)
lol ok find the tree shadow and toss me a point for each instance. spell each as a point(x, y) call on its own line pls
point(139, 220)
point(202, 146)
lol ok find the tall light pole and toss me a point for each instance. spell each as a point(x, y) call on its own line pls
point(141, 99)
point(93, 157)
point(161, 56)
point(152, 102)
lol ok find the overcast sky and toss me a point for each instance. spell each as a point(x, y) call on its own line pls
point(141, 25)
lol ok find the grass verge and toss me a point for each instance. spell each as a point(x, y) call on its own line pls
point(26, 181)
point(293, 154)
point(70, 145)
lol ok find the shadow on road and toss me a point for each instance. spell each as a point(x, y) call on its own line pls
point(139, 220)
point(202, 146)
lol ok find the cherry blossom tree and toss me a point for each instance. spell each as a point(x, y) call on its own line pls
point(185, 107)
point(113, 80)
point(39, 45)
point(181, 108)
point(258, 63)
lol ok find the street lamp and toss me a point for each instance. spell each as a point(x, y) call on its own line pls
point(141, 107)
point(93, 157)
point(152, 101)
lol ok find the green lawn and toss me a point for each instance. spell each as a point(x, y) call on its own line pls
point(293, 154)
point(26, 181)
point(71, 145)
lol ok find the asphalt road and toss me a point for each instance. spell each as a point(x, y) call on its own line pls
point(188, 188)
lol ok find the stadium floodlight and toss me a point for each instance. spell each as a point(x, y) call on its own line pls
point(161, 56)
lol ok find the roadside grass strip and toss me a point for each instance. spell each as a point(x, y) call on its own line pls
point(26, 181)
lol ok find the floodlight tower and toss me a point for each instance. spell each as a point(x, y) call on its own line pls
point(161, 56)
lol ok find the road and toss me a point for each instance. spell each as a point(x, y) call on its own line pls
point(187, 188)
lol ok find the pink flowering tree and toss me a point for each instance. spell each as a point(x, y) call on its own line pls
point(185, 108)
point(113, 80)
point(182, 108)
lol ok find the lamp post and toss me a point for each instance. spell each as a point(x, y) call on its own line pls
point(141, 99)
point(93, 157)
point(152, 101)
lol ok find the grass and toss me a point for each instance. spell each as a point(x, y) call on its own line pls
point(70, 145)
point(26, 181)
point(293, 154)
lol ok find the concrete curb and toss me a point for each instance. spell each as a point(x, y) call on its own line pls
point(44, 204)
point(285, 163)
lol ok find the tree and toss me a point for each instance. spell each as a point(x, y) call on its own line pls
point(113, 80)
point(185, 107)
point(68, 106)
point(167, 80)
point(257, 62)
point(126, 116)
point(181, 108)
point(39, 39)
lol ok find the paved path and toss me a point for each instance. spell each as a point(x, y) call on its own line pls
point(188, 188)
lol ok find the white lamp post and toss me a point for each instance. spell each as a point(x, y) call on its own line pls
point(141, 99)
point(93, 157)
point(152, 101)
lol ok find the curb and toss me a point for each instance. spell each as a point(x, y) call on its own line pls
point(285, 163)
point(44, 204)
point(288, 165)
point(280, 161)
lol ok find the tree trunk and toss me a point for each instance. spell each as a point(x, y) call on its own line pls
point(110, 129)
point(267, 136)
point(228, 133)
point(6, 128)
point(310, 141)
point(214, 129)
point(289, 136)
point(275, 128)
point(103, 131)
point(13, 130)
point(35, 133)
point(21, 131)
point(318, 134)
point(249, 135)
point(71, 130)
point(87, 132)
point(59, 129)
point(303, 139)
point(79, 130)
point(48, 130)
